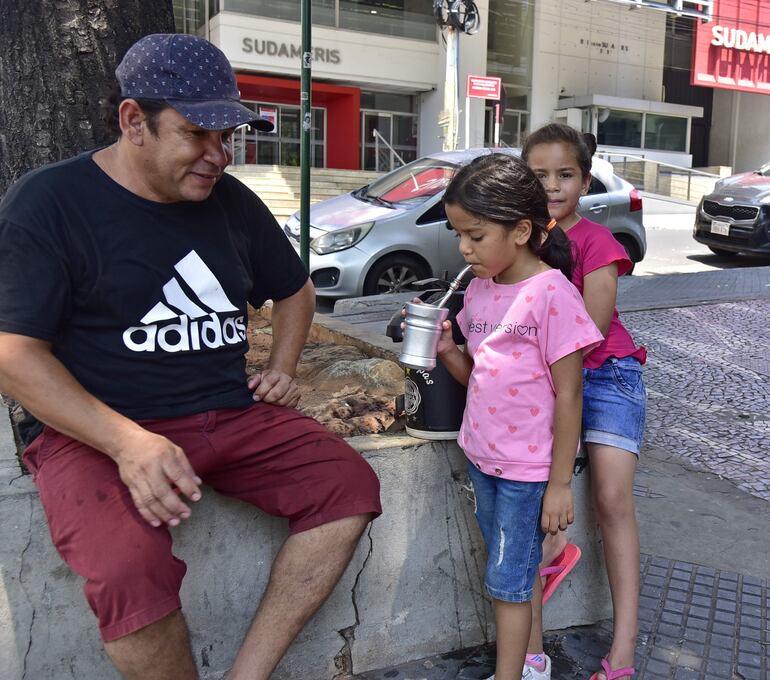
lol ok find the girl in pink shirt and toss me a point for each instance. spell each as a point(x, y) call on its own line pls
point(525, 327)
point(614, 397)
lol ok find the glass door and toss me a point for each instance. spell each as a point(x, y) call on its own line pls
point(376, 154)
point(512, 130)
point(289, 135)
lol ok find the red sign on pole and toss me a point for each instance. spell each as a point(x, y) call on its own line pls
point(483, 87)
point(732, 51)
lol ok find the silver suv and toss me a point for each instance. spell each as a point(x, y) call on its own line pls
point(383, 237)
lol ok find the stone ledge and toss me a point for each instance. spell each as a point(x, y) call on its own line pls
point(413, 588)
point(9, 462)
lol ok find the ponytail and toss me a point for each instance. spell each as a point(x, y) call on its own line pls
point(556, 251)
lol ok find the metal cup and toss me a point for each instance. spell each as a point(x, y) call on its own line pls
point(422, 330)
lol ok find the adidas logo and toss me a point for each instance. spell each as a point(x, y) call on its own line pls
point(191, 325)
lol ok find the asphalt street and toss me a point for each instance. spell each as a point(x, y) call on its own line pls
point(671, 248)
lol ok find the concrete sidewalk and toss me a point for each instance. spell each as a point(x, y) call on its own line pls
point(366, 318)
point(702, 491)
point(704, 602)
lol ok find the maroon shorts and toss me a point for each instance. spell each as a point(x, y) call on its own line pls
point(284, 463)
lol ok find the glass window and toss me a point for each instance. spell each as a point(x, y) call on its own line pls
point(509, 42)
point(596, 187)
point(189, 15)
point(402, 18)
point(513, 128)
point(387, 101)
point(289, 118)
point(436, 213)
point(620, 128)
point(667, 133)
point(404, 131)
point(287, 10)
point(282, 146)
point(414, 183)
point(318, 133)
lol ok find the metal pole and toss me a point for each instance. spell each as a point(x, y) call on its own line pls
point(467, 122)
point(304, 154)
point(734, 137)
point(450, 90)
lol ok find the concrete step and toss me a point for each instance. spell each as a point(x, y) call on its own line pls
point(326, 187)
point(280, 187)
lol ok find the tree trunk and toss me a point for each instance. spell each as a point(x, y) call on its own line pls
point(57, 62)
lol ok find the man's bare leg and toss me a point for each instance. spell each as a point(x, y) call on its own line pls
point(160, 651)
point(304, 573)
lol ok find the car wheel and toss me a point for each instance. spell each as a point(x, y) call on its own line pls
point(632, 250)
point(720, 252)
point(394, 274)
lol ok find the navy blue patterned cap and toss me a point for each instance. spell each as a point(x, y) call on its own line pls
point(191, 75)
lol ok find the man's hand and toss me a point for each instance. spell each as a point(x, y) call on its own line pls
point(156, 471)
point(274, 387)
point(558, 511)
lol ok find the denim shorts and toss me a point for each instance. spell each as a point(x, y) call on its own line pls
point(614, 404)
point(509, 513)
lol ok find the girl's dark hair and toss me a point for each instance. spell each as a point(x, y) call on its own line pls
point(590, 139)
point(499, 187)
point(150, 107)
point(556, 133)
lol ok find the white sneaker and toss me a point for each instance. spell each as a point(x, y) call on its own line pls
point(533, 674)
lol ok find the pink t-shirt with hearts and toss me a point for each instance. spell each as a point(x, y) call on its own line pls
point(514, 332)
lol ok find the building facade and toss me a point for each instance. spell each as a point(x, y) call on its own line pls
point(621, 70)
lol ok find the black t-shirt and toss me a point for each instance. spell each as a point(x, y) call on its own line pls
point(144, 302)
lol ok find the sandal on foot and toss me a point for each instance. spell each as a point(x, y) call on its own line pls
point(557, 571)
point(617, 674)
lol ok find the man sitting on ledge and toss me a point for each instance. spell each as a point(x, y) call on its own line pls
point(125, 275)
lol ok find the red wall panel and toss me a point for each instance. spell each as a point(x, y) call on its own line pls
point(343, 112)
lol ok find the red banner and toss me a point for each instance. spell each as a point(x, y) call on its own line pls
point(732, 51)
point(483, 87)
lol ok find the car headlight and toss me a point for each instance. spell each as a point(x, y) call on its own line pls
point(342, 239)
point(291, 227)
point(765, 200)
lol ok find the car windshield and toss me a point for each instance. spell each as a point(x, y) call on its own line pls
point(415, 183)
point(764, 170)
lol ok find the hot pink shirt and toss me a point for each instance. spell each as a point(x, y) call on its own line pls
point(596, 247)
point(514, 332)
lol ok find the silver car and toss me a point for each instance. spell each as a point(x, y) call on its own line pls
point(383, 237)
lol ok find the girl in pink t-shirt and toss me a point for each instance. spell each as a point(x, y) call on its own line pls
point(614, 398)
point(526, 328)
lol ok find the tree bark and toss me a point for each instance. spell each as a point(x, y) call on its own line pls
point(57, 62)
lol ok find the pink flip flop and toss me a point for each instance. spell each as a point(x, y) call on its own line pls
point(557, 571)
point(626, 672)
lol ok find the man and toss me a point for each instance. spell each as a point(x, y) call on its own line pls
point(124, 280)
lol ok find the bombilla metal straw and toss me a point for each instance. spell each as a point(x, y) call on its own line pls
point(453, 286)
